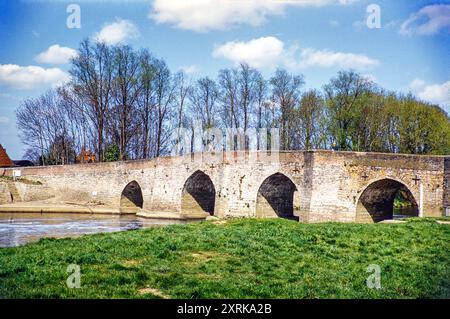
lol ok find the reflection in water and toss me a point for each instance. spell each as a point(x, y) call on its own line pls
point(18, 229)
point(405, 212)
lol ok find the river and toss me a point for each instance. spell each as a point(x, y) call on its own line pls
point(19, 229)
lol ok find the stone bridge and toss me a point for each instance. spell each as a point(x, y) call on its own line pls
point(312, 186)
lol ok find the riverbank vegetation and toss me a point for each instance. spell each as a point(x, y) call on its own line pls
point(247, 258)
point(126, 104)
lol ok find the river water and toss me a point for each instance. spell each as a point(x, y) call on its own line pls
point(19, 229)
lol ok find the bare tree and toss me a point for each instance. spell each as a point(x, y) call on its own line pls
point(261, 104)
point(126, 88)
point(127, 103)
point(92, 73)
point(183, 89)
point(146, 100)
point(29, 122)
point(204, 97)
point(247, 84)
point(78, 123)
point(228, 89)
point(44, 125)
point(164, 98)
point(285, 95)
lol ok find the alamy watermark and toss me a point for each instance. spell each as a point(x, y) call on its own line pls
point(208, 144)
point(73, 20)
point(373, 20)
point(74, 278)
point(374, 279)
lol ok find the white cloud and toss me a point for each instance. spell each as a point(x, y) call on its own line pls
point(117, 32)
point(360, 24)
point(56, 54)
point(329, 59)
point(334, 23)
point(30, 77)
point(10, 97)
point(270, 52)
point(369, 77)
point(391, 24)
point(190, 69)
point(4, 120)
point(434, 93)
point(266, 52)
point(206, 15)
point(417, 84)
point(429, 20)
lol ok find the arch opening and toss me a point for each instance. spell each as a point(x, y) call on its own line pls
point(198, 195)
point(276, 197)
point(386, 199)
point(131, 199)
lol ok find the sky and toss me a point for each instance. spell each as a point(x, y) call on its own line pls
point(402, 45)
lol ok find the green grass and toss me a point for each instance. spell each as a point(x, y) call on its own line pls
point(401, 200)
point(246, 258)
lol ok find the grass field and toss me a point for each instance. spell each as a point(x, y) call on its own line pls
point(246, 258)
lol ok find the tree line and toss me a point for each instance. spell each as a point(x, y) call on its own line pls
point(124, 104)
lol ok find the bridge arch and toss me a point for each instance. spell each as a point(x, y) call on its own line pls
point(198, 195)
point(376, 201)
point(131, 199)
point(275, 197)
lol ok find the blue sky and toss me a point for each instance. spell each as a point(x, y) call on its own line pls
point(316, 38)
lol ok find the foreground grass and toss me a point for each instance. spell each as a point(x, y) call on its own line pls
point(237, 259)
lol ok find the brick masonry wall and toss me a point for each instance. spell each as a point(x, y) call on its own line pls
point(328, 184)
point(4, 194)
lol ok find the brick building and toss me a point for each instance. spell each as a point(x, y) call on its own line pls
point(5, 161)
